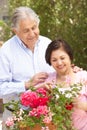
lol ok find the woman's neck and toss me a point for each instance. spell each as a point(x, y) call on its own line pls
point(66, 78)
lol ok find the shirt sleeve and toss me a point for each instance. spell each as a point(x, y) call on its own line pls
point(82, 76)
point(7, 85)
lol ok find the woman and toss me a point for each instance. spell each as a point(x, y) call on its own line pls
point(60, 55)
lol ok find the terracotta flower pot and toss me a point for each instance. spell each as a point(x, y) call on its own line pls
point(51, 126)
point(37, 127)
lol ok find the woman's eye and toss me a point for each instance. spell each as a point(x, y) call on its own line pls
point(62, 58)
point(54, 60)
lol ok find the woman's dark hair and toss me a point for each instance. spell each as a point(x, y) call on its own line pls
point(55, 45)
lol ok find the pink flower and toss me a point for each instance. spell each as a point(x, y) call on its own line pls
point(41, 91)
point(48, 118)
point(45, 128)
point(40, 110)
point(33, 112)
point(9, 122)
point(29, 98)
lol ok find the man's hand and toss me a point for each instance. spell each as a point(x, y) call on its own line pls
point(38, 78)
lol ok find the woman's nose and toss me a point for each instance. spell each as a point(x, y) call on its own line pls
point(59, 62)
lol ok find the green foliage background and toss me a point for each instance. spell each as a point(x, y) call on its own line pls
point(65, 19)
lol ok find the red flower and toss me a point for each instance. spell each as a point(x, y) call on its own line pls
point(34, 99)
point(29, 98)
point(43, 101)
point(69, 106)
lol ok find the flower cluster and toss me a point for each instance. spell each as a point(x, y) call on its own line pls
point(43, 107)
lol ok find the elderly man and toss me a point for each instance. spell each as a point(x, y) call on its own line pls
point(22, 58)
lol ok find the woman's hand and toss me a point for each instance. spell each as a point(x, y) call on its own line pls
point(76, 68)
point(47, 86)
point(78, 103)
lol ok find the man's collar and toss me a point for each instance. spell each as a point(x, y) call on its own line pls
point(22, 44)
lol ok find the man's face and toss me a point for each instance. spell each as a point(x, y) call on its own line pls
point(28, 32)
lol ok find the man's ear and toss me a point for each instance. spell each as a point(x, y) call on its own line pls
point(14, 30)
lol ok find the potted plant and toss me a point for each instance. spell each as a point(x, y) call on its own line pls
point(42, 109)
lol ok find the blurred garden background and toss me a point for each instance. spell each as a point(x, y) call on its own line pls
point(65, 19)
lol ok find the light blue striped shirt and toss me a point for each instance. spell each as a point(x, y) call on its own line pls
point(18, 64)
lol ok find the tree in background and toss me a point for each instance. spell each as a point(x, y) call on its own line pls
point(68, 20)
point(61, 19)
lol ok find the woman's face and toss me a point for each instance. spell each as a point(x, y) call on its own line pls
point(61, 61)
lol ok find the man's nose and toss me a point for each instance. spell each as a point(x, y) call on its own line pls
point(31, 33)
